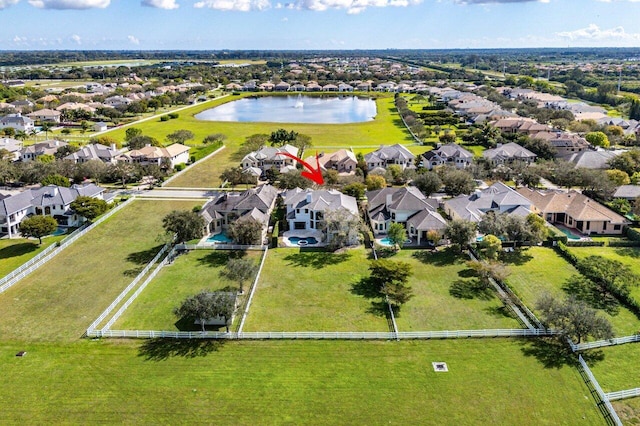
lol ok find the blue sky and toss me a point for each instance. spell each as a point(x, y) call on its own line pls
point(316, 24)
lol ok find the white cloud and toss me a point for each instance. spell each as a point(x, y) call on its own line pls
point(7, 3)
point(594, 33)
point(499, 1)
point(18, 39)
point(70, 4)
point(133, 40)
point(351, 6)
point(76, 39)
point(161, 4)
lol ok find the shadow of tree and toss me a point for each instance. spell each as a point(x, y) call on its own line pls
point(589, 292)
point(500, 312)
point(145, 256)
point(552, 352)
point(633, 252)
point(467, 273)
point(378, 308)
point(163, 349)
point(517, 257)
point(470, 289)
point(366, 287)
point(18, 250)
point(446, 257)
point(316, 259)
point(215, 258)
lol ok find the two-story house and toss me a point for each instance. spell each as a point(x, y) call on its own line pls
point(498, 198)
point(509, 153)
point(171, 155)
point(269, 157)
point(388, 155)
point(449, 154)
point(343, 161)
point(18, 122)
point(31, 152)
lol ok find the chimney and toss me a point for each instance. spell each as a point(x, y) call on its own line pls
point(113, 147)
point(146, 145)
point(477, 193)
point(389, 199)
point(309, 197)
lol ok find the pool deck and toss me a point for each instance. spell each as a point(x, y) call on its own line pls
point(303, 235)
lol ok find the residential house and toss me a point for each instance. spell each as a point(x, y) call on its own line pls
point(31, 152)
point(100, 126)
point(344, 87)
point(21, 104)
point(628, 192)
point(565, 144)
point(269, 157)
point(407, 206)
point(343, 161)
point(509, 153)
point(117, 101)
point(18, 122)
point(50, 200)
point(591, 159)
point(227, 207)
point(48, 115)
point(387, 155)
point(575, 210)
point(12, 146)
point(95, 151)
point(282, 87)
point(498, 198)
point(451, 154)
point(155, 155)
point(307, 209)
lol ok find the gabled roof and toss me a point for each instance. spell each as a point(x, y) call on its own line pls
point(510, 150)
point(426, 220)
point(320, 200)
point(591, 159)
point(496, 197)
point(452, 150)
point(93, 152)
point(404, 199)
point(47, 196)
point(271, 153)
point(390, 152)
point(260, 198)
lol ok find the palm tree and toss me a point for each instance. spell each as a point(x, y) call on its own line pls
point(21, 135)
point(45, 126)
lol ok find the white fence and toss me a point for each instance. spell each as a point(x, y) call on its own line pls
point(219, 247)
point(66, 242)
point(128, 289)
point(613, 416)
point(386, 298)
point(337, 335)
point(623, 394)
point(609, 342)
point(253, 289)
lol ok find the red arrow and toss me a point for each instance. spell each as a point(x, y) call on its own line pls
point(313, 174)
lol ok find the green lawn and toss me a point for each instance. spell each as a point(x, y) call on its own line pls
point(436, 278)
point(312, 291)
point(628, 410)
point(617, 370)
point(289, 382)
point(186, 276)
point(626, 255)
point(15, 252)
point(541, 270)
point(58, 301)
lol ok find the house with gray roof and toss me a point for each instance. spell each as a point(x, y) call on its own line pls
point(628, 192)
point(449, 154)
point(498, 198)
point(18, 122)
point(52, 200)
point(387, 155)
point(407, 206)
point(228, 207)
point(306, 210)
point(509, 153)
point(13, 146)
point(96, 151)
point(269, 157)
point(31, 152)
point(591, 159)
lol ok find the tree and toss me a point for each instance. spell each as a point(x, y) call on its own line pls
point(460, 232)
point(374, 182)
point(246, 231)
point(57, 180)
point(597, 139)
point(486, 270)
point(397, 234)
point(355, 190)
point(389, 278)
point(620, 205)
point(45, 127)
point(293, 179)
point(123, 172)
point(38, 227)
point(106, 141)
point(573, 318)
point(394, 174)
point(538, 230)
point(491, 246)
point(84, 126)
point(236, 176)
point(634, 109)
point(180, 136)
point(89, 207)
point(140, 141)
point(184, 224)
point(618, 177)
point(282, 137)
point(457, 181)
point(240, 269)
point(342, 228)
point(214, 138)
point(428, 183)
point(65, 150)
point(131, 133)
point(206, 305)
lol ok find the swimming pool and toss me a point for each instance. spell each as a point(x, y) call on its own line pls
point(59, 231)
point(220, 238)
point(387, 242)
point(301, 242)
point(570, 234)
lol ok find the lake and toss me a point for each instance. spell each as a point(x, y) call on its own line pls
point(294, 109)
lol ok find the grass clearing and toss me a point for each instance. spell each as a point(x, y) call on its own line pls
point(305, 290)
point(628, 410)
point(436, 278)
point(539, 270)
point(616, 370)
point(59, 300)
point(15, 252)
point(274, 382)
point(187, 275)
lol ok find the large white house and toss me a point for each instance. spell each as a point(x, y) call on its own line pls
point(174, 154)
point(498, 198)
point(449, 154)
point(388, 155)
point(269, 157)
point(18, 122)
point(49, 200)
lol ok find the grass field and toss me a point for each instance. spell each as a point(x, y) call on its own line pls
point(625, 255)
point(628, 410)
point(15, 252)
point(436, 278)
point(539, 270)
point(187, 275)
point(312, 291)
point(270, 382)
point(617, 370)
point(58, 301)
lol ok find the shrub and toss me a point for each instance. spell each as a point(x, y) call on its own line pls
point(164, 118)
point(179, 167)
point(174, 115)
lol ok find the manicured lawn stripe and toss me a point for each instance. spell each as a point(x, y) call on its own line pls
point(15, 252)
point(489, 381)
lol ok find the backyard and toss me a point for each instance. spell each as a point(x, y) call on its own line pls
point(293, 382)
point(539, 270)
point(15, 252)
point(187, 275)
